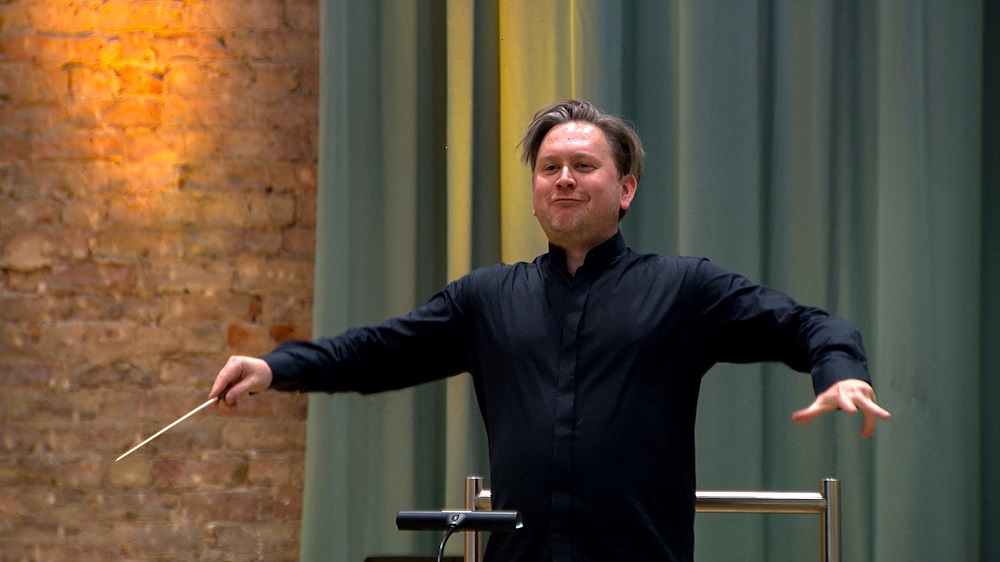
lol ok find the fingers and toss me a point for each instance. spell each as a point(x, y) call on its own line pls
point(872, 412)
point(850, 396)
point(868, 426)
point(826, 402)
point(810, 413)
point(240, 376)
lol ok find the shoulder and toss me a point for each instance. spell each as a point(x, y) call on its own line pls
point(492, 277)
point(498, 271)
point(681, 268)
point(688, 277)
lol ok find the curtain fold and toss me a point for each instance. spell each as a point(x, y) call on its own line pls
point(842, 152)
point(461, 410)
point(990, 284)
point(926, 349)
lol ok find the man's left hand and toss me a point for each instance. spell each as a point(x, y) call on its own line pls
point(849, 395)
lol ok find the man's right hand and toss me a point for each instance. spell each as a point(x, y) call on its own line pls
point(239, 376)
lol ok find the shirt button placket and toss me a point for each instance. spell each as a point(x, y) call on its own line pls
point(562, 461)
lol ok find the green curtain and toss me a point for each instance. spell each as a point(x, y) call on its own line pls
point(844, 152)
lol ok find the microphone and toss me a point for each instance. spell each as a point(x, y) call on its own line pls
point(503, 521)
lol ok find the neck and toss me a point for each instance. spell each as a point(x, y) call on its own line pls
point(574, 259)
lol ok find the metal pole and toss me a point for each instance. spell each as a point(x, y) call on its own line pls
point(826, 503)
point(759, 502)
point(831, 520)
point(473, 539)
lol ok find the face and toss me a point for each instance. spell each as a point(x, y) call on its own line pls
point(576, 190)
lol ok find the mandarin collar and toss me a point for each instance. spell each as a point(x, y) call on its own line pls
point(597, 258)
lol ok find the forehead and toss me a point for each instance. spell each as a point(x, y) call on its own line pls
point(575, 136)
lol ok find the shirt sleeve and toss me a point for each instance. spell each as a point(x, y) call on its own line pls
point(427, 344)
point(744, 323)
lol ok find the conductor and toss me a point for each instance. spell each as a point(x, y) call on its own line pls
point(587, 361)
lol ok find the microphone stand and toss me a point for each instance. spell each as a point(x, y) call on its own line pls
point(451, 521)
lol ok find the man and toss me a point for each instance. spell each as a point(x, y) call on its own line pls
point(586, 362)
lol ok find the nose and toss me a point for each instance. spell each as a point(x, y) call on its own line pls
point(566, 179)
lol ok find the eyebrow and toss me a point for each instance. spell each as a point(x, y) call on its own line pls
point(572, 154)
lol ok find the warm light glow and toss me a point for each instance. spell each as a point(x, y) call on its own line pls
point(157, 158)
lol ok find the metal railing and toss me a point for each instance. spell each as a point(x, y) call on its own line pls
point(825, 503)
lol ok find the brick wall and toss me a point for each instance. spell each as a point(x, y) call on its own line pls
point(157, 201)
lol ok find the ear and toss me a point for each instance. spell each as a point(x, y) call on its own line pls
point(628, 186)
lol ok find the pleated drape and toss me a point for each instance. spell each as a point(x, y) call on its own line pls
point(841, 151)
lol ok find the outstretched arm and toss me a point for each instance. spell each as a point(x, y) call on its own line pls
point(851, 396)
point(240, 376)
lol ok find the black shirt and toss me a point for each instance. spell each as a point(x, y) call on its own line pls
point(587, 385)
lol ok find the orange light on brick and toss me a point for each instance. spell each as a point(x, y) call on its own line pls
point(157, 160)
